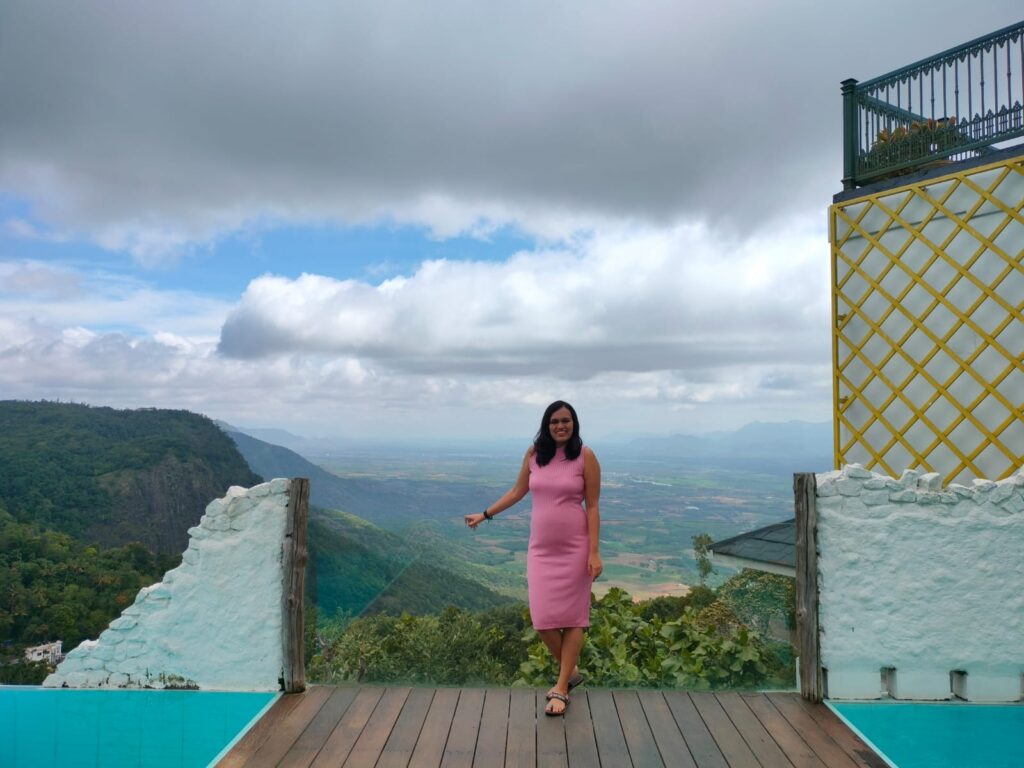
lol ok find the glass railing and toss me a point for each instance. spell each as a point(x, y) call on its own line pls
point(398, 589)
point(402, 591)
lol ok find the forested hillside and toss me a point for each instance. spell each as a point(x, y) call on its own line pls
point(53, 587)
point(112, 477)
point(95, 503)
point(357, 567)
point(325, 490)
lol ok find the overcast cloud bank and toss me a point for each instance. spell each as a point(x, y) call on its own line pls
point(151, 127)
point(669, 164)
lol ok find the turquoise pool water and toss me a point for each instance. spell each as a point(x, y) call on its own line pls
point(61, 728)
point(941, 735)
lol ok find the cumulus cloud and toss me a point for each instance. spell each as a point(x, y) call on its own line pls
point(38, 280)
point(351, 397)
point(59, 296)
point(638, 325)
point(635, 301)
point(152, 127)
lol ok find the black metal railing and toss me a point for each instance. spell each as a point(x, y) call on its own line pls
point(958, 104)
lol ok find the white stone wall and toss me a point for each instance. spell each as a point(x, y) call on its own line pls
point(922, 579)
point(215, 621)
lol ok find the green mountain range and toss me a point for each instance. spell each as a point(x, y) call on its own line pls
point(96, 503)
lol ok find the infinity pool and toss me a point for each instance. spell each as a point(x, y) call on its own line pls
point(940, 735)
point(61, 728)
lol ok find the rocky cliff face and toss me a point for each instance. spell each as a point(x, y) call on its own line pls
point(157, 505)
point(114, 476)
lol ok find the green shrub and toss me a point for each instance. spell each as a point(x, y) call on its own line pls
point(702, 646)
point(454, 647)
point(625, 649)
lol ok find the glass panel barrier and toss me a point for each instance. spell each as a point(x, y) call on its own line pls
point(403, 591)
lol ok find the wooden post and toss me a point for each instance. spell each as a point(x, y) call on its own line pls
point(296, 553)
point(804, 492)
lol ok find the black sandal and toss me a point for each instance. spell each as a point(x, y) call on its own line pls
point(576, 679)
point(556, 696)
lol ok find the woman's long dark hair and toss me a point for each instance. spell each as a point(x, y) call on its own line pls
point(544, 444)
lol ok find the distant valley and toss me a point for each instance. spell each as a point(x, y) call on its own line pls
point(657, 494)
point(95, 502)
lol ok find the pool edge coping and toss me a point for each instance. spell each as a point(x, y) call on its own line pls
point(860, 734)
point(245, 729)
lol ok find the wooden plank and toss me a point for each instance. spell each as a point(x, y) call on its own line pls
point(580, 742)
point(490, 744)
point(521, 749)
point(430, 745)
point(789, 741)
point(861, 753)
point(461, 744)
point(339, 744)
point(551, 749)
point(304, 750)
point(830, 753)
point(750, 728)
point(611, 744)
point(375, 733)
point(289, 731)
point(643, 750)
point(698, 738)
point(295, 555)
point(735, 751)
point(402, 741)
point(247, 746)
point(665, 731)
point(808, 637)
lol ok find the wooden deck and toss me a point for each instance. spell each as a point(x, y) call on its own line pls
point(384, 727)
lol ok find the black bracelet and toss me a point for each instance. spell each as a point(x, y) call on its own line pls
point(487, 516)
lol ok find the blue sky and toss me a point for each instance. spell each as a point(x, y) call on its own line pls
point(392, 219)
point(224, 267)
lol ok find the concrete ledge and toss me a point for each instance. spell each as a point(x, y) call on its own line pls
point(854, 683)
point(921, 685)
point(992, 688)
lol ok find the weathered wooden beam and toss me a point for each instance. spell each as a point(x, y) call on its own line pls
point(296, 553)
point(804, 492)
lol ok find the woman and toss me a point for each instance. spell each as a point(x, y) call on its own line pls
point(564, 554)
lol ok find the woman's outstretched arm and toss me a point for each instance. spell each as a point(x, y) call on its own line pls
point(514, 495)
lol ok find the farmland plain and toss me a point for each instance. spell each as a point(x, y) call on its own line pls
point(651, 506)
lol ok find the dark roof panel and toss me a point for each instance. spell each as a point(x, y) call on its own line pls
point(774, 543)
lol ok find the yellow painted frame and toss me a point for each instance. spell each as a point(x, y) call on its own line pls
point(846, 391)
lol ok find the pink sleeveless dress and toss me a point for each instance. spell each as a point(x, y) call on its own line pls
point(556, 562)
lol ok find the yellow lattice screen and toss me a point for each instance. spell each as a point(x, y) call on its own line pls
point(928, 312)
